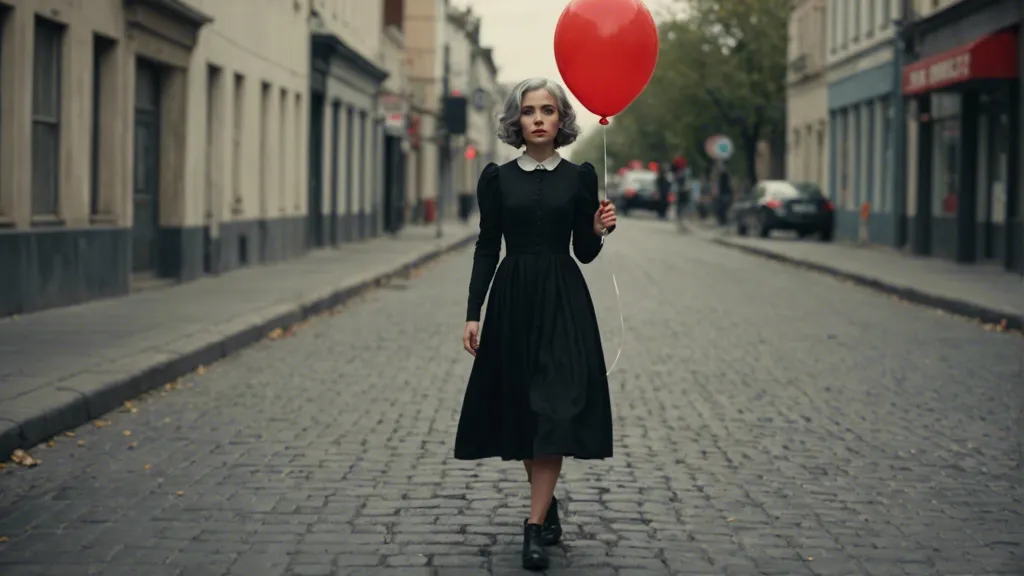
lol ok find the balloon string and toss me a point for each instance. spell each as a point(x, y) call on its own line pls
point(618, 298)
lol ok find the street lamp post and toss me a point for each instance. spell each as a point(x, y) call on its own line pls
point(445, 138)
point(897, 129)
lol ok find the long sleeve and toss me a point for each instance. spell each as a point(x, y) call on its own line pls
point(585, 243)
point(488, 243)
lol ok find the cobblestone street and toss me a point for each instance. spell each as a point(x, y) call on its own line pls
point(768, 421)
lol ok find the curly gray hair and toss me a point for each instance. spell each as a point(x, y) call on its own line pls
point(511, 132)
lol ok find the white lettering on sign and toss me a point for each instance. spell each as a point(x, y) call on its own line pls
point(948, 71)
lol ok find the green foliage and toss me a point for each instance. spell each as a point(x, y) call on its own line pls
point(721, 69)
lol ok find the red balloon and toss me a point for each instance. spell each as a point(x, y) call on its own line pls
point(606, 51)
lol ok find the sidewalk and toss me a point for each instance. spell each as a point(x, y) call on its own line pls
point(63, 367)
point(983, 292)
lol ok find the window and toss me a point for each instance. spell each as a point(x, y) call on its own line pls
point(869, 18)
point(236, 141)
point(855, 19)
point(296, 148)
point(282, 167)
point(945, 153)
point(5, 208)
point(869, 189)
point(214, 111)
point(102, 61)
point(844, 159)
point(46, 101)
point(265, 116)
point(885, 149)
point(834, 26)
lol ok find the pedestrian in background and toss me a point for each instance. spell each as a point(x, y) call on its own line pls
point(724, 196)
point(538, 390)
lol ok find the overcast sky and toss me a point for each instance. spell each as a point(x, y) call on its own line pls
point(522, 34)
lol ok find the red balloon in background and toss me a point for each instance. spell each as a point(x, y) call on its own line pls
point(606, 51)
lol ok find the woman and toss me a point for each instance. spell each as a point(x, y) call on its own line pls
point(538, 390)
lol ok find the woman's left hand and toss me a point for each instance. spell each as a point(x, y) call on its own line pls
point(604, 218)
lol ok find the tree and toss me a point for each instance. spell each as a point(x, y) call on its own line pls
point(721, 69)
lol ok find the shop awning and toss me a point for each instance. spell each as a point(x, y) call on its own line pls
point(988, 58)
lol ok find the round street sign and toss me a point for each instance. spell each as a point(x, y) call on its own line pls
point(480, 99)
point(719, 147)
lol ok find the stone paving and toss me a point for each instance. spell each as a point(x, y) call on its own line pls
point(768, 421)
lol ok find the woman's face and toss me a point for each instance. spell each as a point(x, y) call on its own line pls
point(539, 117)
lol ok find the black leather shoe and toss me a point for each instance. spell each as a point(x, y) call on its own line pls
point(535, 557)
point(551, 532)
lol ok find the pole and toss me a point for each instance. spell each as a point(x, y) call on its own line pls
point(445, 152)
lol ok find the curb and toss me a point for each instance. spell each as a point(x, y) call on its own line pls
point(988, 315)
point(42, 414)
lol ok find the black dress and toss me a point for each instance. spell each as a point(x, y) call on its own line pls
point(538, 385)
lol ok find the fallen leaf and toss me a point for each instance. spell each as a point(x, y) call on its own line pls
point(201, 370)
point(69, 434)
point(51, 443)
point(129, 407)
point(100, 423)
point(127, 432)
point(180, 493)
point(3, 466)
point(810, 557)
point(3, 538)
point(275, 334)
point(147, 466)
point(730, 519)
point(22, 458)
point(133, 445)
point(81, 442)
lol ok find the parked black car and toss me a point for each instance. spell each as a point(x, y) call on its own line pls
point(638, 190)
point(782, 205)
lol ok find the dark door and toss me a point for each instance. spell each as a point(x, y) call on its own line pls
point(335, 141)
point(316, 164)
point(146, 169)
point(997, 187)
point(394, 184)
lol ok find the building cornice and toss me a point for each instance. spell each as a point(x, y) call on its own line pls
point(330, 44)
point(178, 9)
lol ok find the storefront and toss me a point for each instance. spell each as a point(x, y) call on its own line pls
point(965, 103)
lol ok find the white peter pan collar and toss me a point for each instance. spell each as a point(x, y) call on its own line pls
point(529, 164)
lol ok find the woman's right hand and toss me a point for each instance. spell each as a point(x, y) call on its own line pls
point(470, 337)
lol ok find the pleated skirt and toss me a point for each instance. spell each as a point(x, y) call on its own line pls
point(538, 384)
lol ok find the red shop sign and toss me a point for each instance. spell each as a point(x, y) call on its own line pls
point(989, 58)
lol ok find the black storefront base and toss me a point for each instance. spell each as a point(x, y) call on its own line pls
point(50, 267)
point(44, 268)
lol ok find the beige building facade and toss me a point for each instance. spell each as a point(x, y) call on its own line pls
point(807, 95)
point(424, 31)
point(474, 75)
point(246, 135)
point(346, 129)
point(863, 101)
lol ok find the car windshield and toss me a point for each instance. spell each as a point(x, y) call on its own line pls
point(808, 189)
point(782, 189)
point(639, 180)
